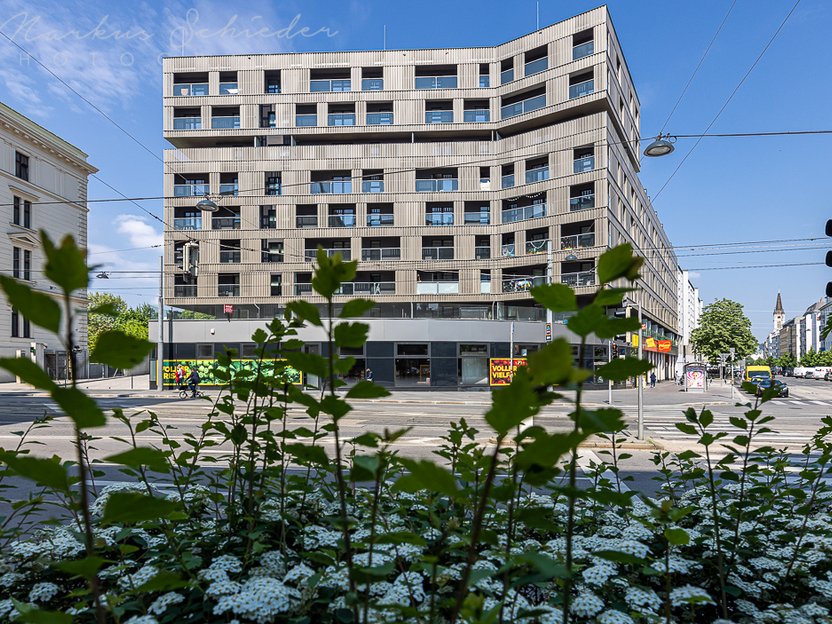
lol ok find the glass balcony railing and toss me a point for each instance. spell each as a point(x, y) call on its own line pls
point(311, 254)
point(306, 121)
point(439, 218)
point(476, 218)
point(305, 221)
point(525, 106)
point(372, 186)
point(229, 256)
point(379, 119)
point(229, 88)
point(379, 220)
point(485, 81)
point(523, 284)
point(187, 223)
point(187, 123)
point(436, 185)
point(228, 290)
point(190, 88)
point(574, 241)
point(436, 117)
point(537, 175)
point(340, 119)
point(581, 89)
point(225, 223)
point(485, 287)
point(330, 85)
point(231, 122)
point(373, 288)
point(372, 84)
point(437, 253)
point(437, 288)
point(184, 290)
point(482, 253)
point(585, 163)
point(342, 220)
point(479, 115)
point(335, 187)
point(381, 253)
point(191, 190)
point(273, 87)
point(581, 278)
point(436, 82)
point(523, 213)
point(507, 75)
point(507, 250)
point(536, 246)
point(582, 50)
point(303, 289)
point(229, 188)
point(582, 202)
point(507, 181)
point(536, 66)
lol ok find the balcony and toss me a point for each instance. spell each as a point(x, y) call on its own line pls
point(526, 106)
point(437, 288)
point(306, 121)
point(507, 250)
point(523, 284)
point(187, 223)
point(437, 253)
point(583, 50)
point(538, 174)
point(536, 66)
point(227, 256)
point(582, 202)
point(439, 117)
point(583, 164)
point(225, 123)
point(436, 82)
point(379, 220)
point(381, 253)
point(523, 213)
point(229, 188)
point(229, 88)
point(372, 186)
point(184, 290)
point(581, 89)
point(367, 288)
point(476, 218)
point(187, 123)
point(507, 181)
point(574, 241)
point(191, 190)
point(334, 187)
point(485, 287)
point(330, 85)
point(439, 218)
point(372, 84)
point(303, 289)
point(341, 220)
point(479, 115)
point(306, 221)
point(436, 185)
point(536, 246)
point(228, 290)
point(582, 278)
point(379, 119)
point(190, 88)
point(311, 254)
point(225, 223)
point(485, 81)
point(340, 119)
point(482, 253)
point(506, 76)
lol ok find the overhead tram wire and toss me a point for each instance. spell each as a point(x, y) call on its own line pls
point(730, 97)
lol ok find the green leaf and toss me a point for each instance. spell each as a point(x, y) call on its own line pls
point(536, 517)
point(611, 296)
point(86, 567)
point(618, 557)
point(586, 320)
point(47, 472)
point(367, 390)
point(552, 364)
point(399, 537)
point(686, 428)
point(29, 372)
point(365, 467)
point(350, 334)
point(513, 404)
point(602, 420)
point(739, 423)
point(40, 309)
point(676, 537)
point(141, 456)
point(33, 615)
point(132, 507)
point(120, 350)
point(108, 308)
point(307, 363)
point(619, 262)
point(545, 450)
point(555, 297)
point(162, 581)
point(83, 410)
point(307, 454)
point(610, 327)
point(356, 307)
point(621, 369)
point(305, 311)
point(335, 406)
point(259, 336)
point(425, 475)
point(66, 265)
point(706, 418)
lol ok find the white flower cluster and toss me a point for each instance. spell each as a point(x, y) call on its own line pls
point(138, 578)
point(586, 605)
point(141, 619)
point(97, 507)
point(43, 592)
point(161, 604)
point(260, 599)
point(688, 594)
point(316, 536)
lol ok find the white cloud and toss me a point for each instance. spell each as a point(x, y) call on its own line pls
point(139, 232)
point(694, 275)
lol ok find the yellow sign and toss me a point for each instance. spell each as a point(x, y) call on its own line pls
point(635, 340)
point(501, 372)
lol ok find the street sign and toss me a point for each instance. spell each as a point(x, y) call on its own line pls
point(548, 332)
point(228, 308)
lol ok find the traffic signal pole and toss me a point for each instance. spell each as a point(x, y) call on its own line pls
point(609, 381)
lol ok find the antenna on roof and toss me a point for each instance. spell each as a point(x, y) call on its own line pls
point(385, 36)
point(537, 14)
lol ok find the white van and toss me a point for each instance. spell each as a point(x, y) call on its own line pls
point(820, 372)
point(800, 371)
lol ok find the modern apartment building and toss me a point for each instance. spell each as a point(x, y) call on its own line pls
point(689, 310)
point(448, 174)
point(36, 166)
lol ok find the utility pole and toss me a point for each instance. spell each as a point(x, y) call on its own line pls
point(160, 343)
point(550, 275)
point(609, 381)
point(511, 354)
point(640, 433)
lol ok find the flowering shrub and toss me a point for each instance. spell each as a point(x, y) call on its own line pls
point(281, 531)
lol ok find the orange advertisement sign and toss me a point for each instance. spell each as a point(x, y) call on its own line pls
point(665, 345)
point(500, 370)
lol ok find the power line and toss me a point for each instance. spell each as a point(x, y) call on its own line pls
point(730, 97)
point(111, 251)
point(759, 266)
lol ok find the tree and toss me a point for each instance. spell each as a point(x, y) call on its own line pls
point(111, 312)
point(787, 360)
point(722, 326)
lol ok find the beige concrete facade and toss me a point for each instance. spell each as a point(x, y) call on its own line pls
point(566, 125)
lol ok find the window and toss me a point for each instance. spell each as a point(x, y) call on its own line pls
point(271, 251)
point(268, 217)
point(485, 179)
point(507, 176)
point(228, 83)
point(306, 115)
point(372, 181)
point(21, 165)
point(272, 81)
point(272, 183)
point(582, 45)
point(536, 61)
point(537, 170)
point(379, 113)
point(341, 215)
point(583, 159)
point(341, 115)
point(477, 213)
point(27, 328)
point(436, 77)
point(16, 262)
point(506, 71)
point(581, 84)
point(15, 323)
point(519, 103)
point(306, 216)
point(439, 214)
point(27, 264)
point(439, 112)
point(268, 119)
point(275, 285)
point(228, 285)
point(476, 111)
point(379, 215)
point(330, 80)
point(338, 182)
point(372, 79)
point(485, 80)
point(205, 351)
point(22, 212)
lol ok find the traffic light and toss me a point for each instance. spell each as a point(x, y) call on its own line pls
point(829, 258)
point(190, 261)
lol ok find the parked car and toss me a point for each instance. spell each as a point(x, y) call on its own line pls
point(800, 372)
point(781, 388)
point(788, 371)
point(820, 372)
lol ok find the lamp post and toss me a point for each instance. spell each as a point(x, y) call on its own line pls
point(640, 390)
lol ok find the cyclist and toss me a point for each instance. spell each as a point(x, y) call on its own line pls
point(193, 382)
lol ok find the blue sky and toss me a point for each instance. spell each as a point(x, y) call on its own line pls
point(728, 191)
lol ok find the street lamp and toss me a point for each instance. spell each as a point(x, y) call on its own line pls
point(661, 146)
point(640, 419)
point(206, 204)
point(571, 257)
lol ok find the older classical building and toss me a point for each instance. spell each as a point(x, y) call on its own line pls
point(457, 178)
point(37, 166)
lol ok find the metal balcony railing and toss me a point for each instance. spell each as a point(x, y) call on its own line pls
point(436, 82)
point(436, 185)
point(226, 123)
point(439, 218)
point(507, 181)
point(340, 119)
point(303, 289)
point(477, 116)
point(439, 117)
point(342, 220)
point(537, 175)
point(507, 75)
point(379, 119)
point(476, 218)
point(306, 121)
point(523, 213)
point(225, 223)
point(584, 49)
point(536, 246)
point(367, 288)
point(187, 223)
point(187, 123)
point(437, 253)
point(573, 241)
point(229, 88)
point(311, 254)
point(582, 278)
point(229, 256)
point(536, 66)
point(524, 106)
point(582, 202)
point(507, 250)
point(372, 186)
point(523, 284)
point(304, 221)
point(482, 253)
point(585, 163)
point(191, 190)
point(229, 188)
point(330, 85)
point(184, 290)
point(581, 89)
point(335, 187)
point(372, 84)
point(381, 253)
point(379, 220)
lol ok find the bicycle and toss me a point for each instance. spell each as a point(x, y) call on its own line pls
point(185, 392)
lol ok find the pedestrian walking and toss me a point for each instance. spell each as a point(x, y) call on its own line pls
point(179, 376)
point(652, 380)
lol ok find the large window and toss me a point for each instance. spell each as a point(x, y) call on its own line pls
point(21, 263)
point(473, 364)
point(22, 212)
point(21, 165)
point(412, 365)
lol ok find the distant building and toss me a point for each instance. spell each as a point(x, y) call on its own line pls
point(810, 327)
point(825, 313)
point(771, 346)
point(37, 166)
point(787, 340)
point(689, 311)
